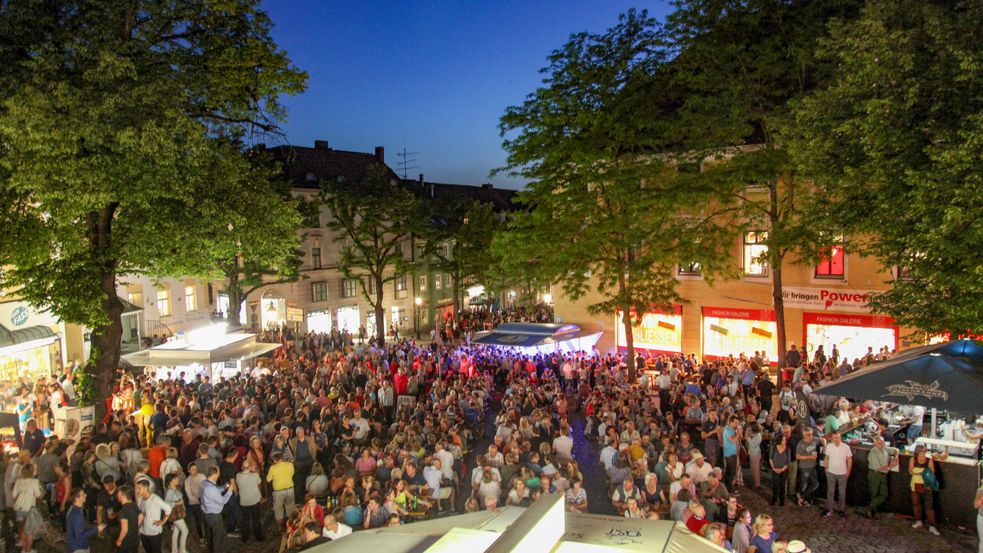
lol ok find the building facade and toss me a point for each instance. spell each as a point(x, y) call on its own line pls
point(825, 305)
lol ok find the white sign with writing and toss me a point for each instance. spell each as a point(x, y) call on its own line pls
point(827, 299)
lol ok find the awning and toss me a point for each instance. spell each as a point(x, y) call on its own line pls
point(531, 335)
point(228, 347)
point(35, 336)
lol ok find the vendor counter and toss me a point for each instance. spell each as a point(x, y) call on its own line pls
point(959, 478)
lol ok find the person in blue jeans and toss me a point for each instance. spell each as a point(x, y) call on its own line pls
point(807, 454)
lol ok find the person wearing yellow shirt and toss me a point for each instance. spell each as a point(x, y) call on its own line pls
point(281, 478)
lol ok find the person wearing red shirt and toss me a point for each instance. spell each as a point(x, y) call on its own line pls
point(156, 456)
point(697, 523)
point(401, 383)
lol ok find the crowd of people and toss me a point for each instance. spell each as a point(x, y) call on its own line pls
point(335, 436)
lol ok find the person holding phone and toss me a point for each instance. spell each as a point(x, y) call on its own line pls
point(77, 533)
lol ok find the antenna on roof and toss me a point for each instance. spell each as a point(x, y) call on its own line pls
point(406, 162)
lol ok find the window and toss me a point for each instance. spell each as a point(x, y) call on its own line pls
point(316, 255)
point(755, 252)
point(423, 283)
point(448, 282)
point(445, 250)
point(190, 298)
point(370, 286)
point(903, 272)
point(400, 283)
point(319, 291)
point(164, 302)
point(348, 286)
point(692, 269)
point(831, 265)
point(135, 296)
point(421, 249)
point(438, 281)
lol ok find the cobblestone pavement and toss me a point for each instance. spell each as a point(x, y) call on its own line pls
point(853, 534)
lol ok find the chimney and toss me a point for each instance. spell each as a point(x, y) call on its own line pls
point(380, 154)
point(421, 181)
point(320, 144)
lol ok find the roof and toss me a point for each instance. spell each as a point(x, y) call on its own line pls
point(307, 167)
point(502, 199)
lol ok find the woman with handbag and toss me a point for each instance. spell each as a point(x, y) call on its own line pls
point(174, 498)
point(923, 484)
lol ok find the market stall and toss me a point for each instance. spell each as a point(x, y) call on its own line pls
point(946, 377)
point(208, 352)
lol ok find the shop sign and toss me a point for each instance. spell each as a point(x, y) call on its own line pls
point(19, 316)
point(739, 313)
point(295, 315)
point(827, 298)
point(654, 331)
point(838, 319)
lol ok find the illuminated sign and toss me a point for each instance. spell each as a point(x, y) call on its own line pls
point(733, 331)
point(19, 316)
point(827, 298)
point(851, 334)
point(654, 331)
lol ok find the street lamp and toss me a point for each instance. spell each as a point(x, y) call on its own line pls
point(416, 316)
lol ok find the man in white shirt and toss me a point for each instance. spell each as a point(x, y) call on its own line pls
point(608, 454)
point(917, 420)
point(334, 530)
point(563, 447)
point(839, 463)
point(446, 460)
point(698, 468)
point(155, 513)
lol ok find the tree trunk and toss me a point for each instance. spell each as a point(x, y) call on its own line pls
point(105, 338)
point(776, 257)
point(380, 320)
point(458, 293)
point(629, 342)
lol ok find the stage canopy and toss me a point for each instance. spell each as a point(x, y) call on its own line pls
point(544, 527)
point(946, 376)
point(544, 337)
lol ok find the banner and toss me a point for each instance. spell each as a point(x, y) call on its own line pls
point(853, 335)
point(826, 299)
point(656, 331)
point(733, 331)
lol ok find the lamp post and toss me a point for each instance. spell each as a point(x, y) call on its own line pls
point(548, 300)
point(416, 316)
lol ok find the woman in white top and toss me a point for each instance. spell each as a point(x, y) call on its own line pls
point(318, 483)
point(27, 491)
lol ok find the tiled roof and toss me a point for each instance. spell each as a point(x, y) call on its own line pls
point(307, 167)
point(502, 198)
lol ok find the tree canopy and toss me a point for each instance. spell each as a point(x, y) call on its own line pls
point(119, 122)
point(893, 141)
point(602, 211)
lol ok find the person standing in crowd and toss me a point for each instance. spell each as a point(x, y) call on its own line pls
point(880, 460)
point(179, 527)
point(732, 445)
point(281, 479)
point(77, 533)
point(304, 450)
point(128, 540)
point(764, 535)
point(978, 505)
point(922, 496)
point(154, 513)
point(213, 501)
point(249, 487)
point(26, 493)
point(807, 454)
point(839, 465)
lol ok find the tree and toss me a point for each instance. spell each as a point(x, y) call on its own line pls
point(372, 220)
point(259, 246)
point(601, 211)
point(467, 227)
point(117, 118)
point(739, 65)
point(894, 143)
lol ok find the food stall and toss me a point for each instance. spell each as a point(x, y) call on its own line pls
point(944, 378)
point(957, 465)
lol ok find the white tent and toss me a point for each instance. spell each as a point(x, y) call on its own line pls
point(542, 528)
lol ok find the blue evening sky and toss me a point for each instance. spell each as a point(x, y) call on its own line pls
point(429, 76)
